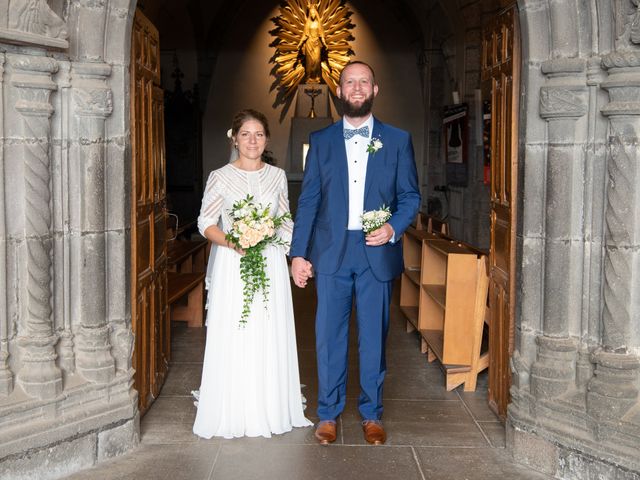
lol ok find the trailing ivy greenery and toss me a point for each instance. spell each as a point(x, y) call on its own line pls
point(253, 229)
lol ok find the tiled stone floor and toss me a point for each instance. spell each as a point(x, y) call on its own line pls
point(432, 433)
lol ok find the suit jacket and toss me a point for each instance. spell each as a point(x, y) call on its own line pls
point(320, 228)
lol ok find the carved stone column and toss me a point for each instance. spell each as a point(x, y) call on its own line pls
point(594, 179)
point(562, 102)
point(563, 28)
point(89, 14)
point(61, 198)
point(31, 87)
point(6, 376)
point(614, 389)
point(92, 101)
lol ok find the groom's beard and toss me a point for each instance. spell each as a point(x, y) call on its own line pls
point(355, 111)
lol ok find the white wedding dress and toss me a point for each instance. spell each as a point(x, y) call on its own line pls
point(250, 382)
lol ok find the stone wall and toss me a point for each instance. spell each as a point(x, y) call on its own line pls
point(66, 394)
point(575, 409)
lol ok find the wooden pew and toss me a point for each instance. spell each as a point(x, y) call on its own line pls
point(187, 256)
point(186, 297)
point(432, 224)
point(186, 267)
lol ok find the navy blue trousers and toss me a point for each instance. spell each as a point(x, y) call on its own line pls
point(335, 299)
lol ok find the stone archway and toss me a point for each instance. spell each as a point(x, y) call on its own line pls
point(576, 365)
point(66, 394)
point(65, 361)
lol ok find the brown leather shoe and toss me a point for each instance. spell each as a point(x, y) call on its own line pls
point(374, 432)
point(326, 432)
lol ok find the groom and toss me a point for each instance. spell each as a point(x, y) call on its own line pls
point(357, 164)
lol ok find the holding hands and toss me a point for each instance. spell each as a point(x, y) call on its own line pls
point(301, 270)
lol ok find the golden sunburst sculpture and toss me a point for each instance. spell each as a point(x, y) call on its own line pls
point(312, 43)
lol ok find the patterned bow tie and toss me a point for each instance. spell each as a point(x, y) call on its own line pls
point(362, 131)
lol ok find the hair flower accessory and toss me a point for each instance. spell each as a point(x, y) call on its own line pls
point(374, 145)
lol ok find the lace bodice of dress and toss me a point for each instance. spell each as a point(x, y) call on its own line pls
point(229, 184)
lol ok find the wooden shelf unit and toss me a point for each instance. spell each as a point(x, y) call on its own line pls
point(448, 305)
point(411, 277)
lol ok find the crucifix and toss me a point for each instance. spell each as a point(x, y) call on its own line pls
point(312, 93)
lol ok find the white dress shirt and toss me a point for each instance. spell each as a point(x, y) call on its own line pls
point(357, 158)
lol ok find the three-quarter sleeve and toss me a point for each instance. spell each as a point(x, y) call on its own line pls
point(286, 229)
point(212, 201)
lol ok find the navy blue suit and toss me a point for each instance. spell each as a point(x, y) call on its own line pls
point(345, 266)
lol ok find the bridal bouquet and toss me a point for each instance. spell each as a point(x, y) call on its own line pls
point(252, 230)
point(374, 219)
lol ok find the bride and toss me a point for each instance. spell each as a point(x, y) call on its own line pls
point(250, 382)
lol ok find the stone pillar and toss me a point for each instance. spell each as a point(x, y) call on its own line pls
point(562, 102)
point(614, 388)
point(92, 102)
point(563, 28)
point(118, 175)
point(6, 376)
point(31, 87)
point(61, 198)
point(595, 174)
point(90, 14)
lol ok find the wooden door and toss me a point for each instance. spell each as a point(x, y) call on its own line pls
point(149, 313)
point(500, 78)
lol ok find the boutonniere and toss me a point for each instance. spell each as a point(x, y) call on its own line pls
point(374, 145)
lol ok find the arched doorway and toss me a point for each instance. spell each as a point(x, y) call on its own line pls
point(65, 112)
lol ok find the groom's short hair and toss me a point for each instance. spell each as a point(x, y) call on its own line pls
point(357, 62)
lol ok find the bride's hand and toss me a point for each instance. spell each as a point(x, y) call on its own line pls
point(235, 247)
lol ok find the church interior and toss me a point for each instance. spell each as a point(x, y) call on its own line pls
point(514, 346)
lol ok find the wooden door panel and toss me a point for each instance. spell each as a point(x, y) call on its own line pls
point(500, 77)
point(496, 139)
point(148, 256)
point(158, 154)
point(142, 340)
point(501, 134)
point(152, 56)
point(137, 135)
point(154, 353)
point(498, 46)
point(143, 247)
point(165, 321)
point(160, 332)
point(509, 135)
point(499, 378)
point(159, 245)
point(148, 161)
point(508, 33)
point(501, 240)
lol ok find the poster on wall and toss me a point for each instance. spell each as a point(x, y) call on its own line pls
point(455, 133)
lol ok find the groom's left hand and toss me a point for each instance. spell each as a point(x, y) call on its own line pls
point(380, 236)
